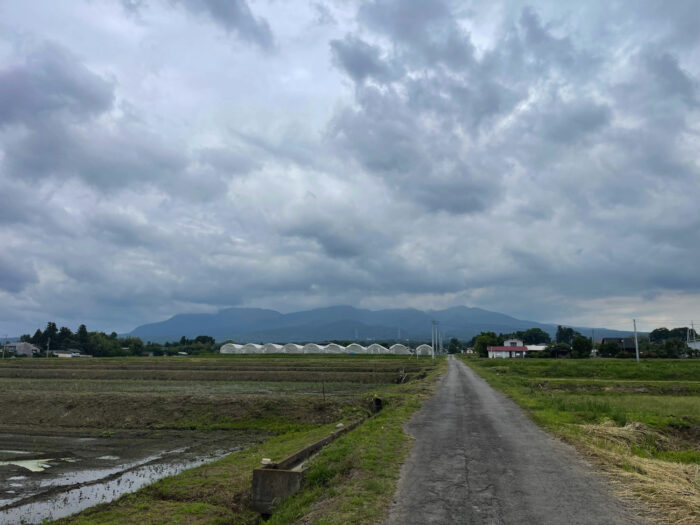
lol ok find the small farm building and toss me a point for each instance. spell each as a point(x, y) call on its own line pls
point(22, 348)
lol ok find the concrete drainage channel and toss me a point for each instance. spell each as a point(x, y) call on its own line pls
point(275, 482)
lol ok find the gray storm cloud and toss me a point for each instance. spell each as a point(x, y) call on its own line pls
point(161, 156)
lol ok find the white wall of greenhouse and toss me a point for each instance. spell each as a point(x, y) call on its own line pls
point(313, 348)
point(377, 349)
point(230, 348)
point(424, 350)
point(354, 348)
point(292, 348)
point(399, 349)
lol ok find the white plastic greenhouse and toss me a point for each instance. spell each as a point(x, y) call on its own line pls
point(377, 349)
point(335, 349)
point(292, 348)
point(230, 348)
point(251, 348)
point(399, 349)
point(354, 348)
point(313, 348)
point(271, 348)
point(424, 350)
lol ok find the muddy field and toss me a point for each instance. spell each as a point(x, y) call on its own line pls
point(49, 477)
point(74, 433)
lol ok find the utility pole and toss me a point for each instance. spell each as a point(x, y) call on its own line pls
point(48, 345)
point(433, 340)
point(636, 342)
point(4, 347)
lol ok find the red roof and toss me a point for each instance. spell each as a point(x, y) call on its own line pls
point(509, 348)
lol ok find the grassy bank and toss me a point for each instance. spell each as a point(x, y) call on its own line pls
point(350, 481)
point(640, 422)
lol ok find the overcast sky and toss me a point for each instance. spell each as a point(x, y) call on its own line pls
point(539, 159)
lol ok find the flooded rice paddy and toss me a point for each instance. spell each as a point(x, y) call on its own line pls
point(50, 477)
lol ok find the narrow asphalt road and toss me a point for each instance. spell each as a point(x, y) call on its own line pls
point(478, 459)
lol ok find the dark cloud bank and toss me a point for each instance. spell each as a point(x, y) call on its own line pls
point(532, 160)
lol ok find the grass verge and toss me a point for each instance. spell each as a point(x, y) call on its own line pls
point(353, 479)
point(640, 423)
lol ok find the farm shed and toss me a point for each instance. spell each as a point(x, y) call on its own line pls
point(22, 348)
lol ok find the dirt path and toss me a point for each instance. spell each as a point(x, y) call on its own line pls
point(478, 459)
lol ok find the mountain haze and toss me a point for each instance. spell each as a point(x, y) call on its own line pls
point(340, 322)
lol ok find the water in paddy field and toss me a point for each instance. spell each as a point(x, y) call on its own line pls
point(50, 477)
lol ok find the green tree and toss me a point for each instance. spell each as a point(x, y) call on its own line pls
point(534, 336)
point(659, 335)
point(64, 338)
point(609, 350)
point(38, 338)
point(82, 338)
point(557, 350)
point(454, 347)
point(565, 334)
point(51, 333)
point(674, 348)
point(581, 347)
point(483, 341)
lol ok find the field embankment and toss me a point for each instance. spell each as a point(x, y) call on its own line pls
point(639, 422)
point(282, 402)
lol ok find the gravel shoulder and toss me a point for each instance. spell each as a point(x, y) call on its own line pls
point(478, 459)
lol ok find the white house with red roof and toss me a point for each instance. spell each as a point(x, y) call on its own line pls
point(512, 348)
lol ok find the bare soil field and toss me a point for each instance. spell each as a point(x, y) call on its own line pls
point(157, 416)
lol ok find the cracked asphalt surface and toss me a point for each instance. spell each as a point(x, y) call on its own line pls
point(478, 459)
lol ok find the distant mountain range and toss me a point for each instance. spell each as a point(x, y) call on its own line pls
point(257, 325)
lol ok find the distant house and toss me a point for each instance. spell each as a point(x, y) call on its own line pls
point(626, 343)
point(512, 348)
point(21, 348)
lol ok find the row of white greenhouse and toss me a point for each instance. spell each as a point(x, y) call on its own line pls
point(313, 348)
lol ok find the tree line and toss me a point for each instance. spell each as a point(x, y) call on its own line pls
point(660, 343)
point(100, 344)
